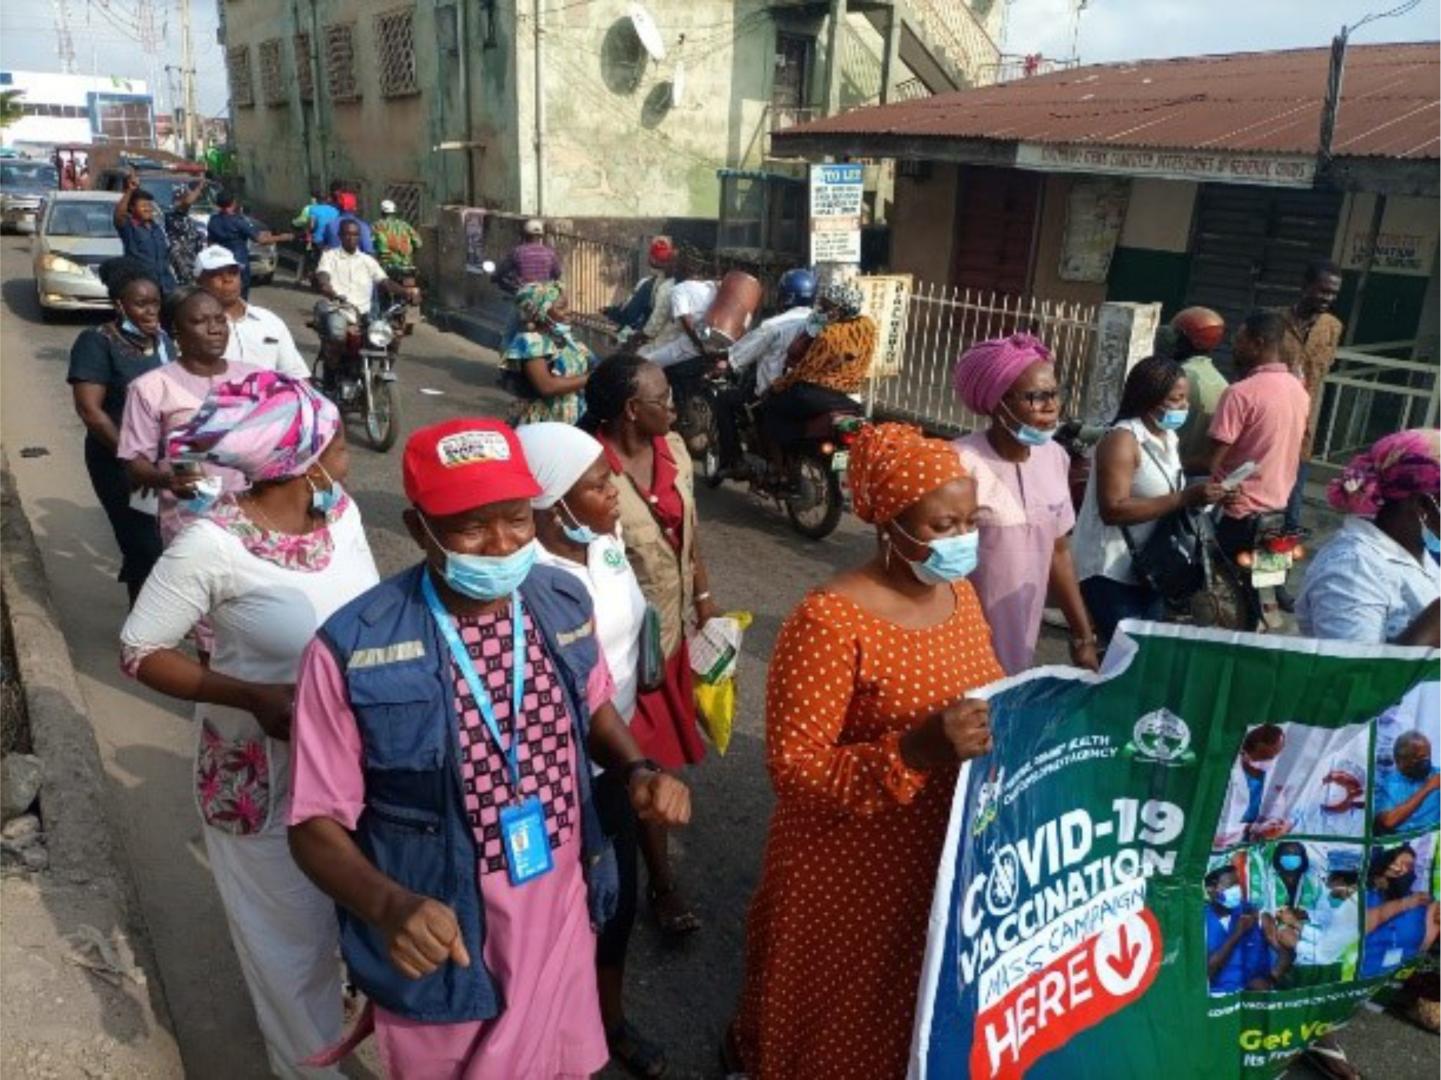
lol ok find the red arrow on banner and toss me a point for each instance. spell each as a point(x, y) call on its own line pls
point(1129, 949)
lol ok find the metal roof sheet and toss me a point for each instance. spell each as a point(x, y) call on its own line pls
point(1265, 102)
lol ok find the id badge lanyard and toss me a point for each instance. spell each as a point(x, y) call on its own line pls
point(479, 692)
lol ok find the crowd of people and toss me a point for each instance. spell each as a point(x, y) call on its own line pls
point(453, 777)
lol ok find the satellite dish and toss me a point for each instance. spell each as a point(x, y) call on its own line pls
point(647, 31)
point(677, 84)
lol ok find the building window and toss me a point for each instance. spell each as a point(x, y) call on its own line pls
point(304, 73)
point(340, 62)
point(272, 78)
point(395, 46)
point(242, 89)
point(408, 196)
point(122, 118)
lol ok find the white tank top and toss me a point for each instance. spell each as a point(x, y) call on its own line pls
point(1098, 549)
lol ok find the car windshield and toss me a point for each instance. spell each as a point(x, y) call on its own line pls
point(165, 187)
point(30, 175)
point(75, 218)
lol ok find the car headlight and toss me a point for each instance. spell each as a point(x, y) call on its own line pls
point(59, 264)
point(380, 334)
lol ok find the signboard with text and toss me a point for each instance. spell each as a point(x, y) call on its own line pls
point(837, 193)
point(1196, 863)
point(1270, 170)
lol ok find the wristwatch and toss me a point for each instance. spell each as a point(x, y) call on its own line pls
point(630, 768)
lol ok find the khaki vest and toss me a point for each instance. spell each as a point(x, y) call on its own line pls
point(665, 576)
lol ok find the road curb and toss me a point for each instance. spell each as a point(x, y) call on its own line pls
point(86, 854)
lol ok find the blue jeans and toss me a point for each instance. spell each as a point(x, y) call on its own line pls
point(1298, 492)
point(1110, 601)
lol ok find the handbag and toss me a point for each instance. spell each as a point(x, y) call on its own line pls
point(652, 659)
point(1172, 561)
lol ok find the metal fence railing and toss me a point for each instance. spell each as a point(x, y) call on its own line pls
point(596, 273)
point(1369, 394)
point(939, 322)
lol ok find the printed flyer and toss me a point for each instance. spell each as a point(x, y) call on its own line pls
point(1207, 856)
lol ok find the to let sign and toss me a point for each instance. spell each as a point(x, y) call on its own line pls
point(837, 192)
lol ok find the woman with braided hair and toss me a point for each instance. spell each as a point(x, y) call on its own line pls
point(629, 408)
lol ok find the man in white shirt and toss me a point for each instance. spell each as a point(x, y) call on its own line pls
point(683, 338)
point(257, 336)
point(346, 278)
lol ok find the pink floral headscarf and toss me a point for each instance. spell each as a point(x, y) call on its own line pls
point(1395, 468)
point(266, 426)
point(988, 369)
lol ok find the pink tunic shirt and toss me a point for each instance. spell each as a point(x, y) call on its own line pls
point(539, 945)
point(1263, 419)
point(1025, 507)
point(158, 404)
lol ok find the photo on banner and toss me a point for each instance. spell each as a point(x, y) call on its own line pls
point(1180, 859)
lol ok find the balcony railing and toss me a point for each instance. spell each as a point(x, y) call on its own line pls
point(951, 26)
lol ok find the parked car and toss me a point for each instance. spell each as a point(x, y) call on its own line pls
point(23, 186)
point(164, 183)
point(74, 235)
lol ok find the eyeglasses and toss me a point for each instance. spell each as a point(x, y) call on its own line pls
point(1035, 398)
point(667, 402)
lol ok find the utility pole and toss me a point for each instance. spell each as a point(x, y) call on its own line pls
point(187, 77)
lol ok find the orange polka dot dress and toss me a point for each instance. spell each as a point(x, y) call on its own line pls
point(838, 925)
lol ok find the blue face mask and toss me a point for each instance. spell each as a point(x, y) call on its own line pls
point(485, 577)
point(561, 329)
point(577, 533)
point(951, 557)
point(1289, 862)
point(1229, 897)
point(1431, 540)
point(1028, 435)
point(324, 500)
point(207, 493)
point(1172, 419)
point(128, 327)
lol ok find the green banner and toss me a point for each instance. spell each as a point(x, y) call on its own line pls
point(1190, 866)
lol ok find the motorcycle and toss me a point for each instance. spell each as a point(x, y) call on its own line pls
point(811, 487)
point(364, 385)
point(694, 406)
point(1240, 591)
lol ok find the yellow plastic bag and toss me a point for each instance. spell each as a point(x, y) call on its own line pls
point(714, 654)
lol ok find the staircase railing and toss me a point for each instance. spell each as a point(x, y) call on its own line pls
point(951, 25)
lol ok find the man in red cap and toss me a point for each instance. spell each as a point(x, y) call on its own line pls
point(442, 739)
point(645, 311)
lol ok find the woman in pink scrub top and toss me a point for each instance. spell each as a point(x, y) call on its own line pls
point(1024, 498)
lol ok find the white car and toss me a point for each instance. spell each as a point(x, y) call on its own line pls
point(74, 235)
point(23, 187)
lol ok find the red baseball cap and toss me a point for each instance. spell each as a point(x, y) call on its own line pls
point(460, 464)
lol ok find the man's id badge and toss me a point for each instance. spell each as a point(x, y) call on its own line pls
point(527, 847)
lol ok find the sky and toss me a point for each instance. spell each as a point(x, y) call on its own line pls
point(1109, 30)
point(1133, 29)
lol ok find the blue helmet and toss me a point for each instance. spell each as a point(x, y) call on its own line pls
point(797, 287)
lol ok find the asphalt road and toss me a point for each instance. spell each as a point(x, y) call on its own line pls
point(681, 996)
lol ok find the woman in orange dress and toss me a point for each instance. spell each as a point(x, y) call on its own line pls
point(866, 722)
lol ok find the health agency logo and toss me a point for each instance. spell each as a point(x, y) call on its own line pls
point(1163, 738)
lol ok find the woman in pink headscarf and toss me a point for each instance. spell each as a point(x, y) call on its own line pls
point(1023, 498)
point(1377, 580)
point(267, 565)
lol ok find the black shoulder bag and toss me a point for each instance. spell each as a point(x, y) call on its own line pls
point(1173, 558)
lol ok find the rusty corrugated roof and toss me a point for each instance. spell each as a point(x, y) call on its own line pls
point(1266, 102)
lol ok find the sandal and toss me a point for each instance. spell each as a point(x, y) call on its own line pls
point(637, 1055)
point(1327, 1058)
point(675, 919)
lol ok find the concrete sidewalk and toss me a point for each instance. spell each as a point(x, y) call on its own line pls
point(62, 1018)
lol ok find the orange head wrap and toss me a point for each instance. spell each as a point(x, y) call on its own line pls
point(894, 466)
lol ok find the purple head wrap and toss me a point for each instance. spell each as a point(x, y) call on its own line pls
point(1395, 468)
point(265, 426)
point(987, 369)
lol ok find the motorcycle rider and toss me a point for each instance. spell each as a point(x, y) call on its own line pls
point(396, 242)
point(643, 314)
point(349, 210)
point(346, 279)
point(1260, 418)
point(683, 337)
point(764, 348)
point(829, 373)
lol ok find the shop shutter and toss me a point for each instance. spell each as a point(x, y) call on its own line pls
point(1250, 245)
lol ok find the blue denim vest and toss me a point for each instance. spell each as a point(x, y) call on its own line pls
point(414, 827)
